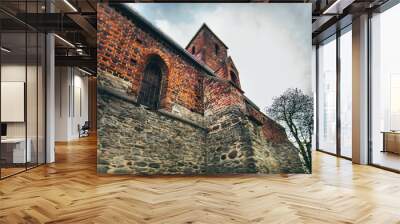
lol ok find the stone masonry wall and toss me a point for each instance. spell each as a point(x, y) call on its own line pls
point(236, 144)
point(135, 140)
point(273, 157)
point(228, 143)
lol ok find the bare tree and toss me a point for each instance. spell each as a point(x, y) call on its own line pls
point(294, 110)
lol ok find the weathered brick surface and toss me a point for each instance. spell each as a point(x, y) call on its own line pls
point(204, 123)
point(272, 131)
point(221, 94)
point(124, 48)
point(231, 68)
point(205, 43)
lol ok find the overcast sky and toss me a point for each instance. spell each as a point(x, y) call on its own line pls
point(270, 43)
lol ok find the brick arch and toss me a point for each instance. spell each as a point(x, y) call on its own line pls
point(157, 64)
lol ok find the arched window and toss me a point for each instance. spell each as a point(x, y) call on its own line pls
point(234, 78)
point(150, 87)
point(193, 50)
point(216, 49)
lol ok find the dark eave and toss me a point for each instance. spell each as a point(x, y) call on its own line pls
point(204, 26)
point(251, 103)
point(146, 25)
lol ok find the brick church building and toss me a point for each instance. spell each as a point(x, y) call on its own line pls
point(164, 109)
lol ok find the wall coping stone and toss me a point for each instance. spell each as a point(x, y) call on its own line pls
point(172, 115)
point(118, 94)
point(131, 99)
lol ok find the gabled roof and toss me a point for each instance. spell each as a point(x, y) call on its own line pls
point(204, 26)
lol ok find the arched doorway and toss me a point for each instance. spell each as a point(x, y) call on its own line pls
point(150, 88)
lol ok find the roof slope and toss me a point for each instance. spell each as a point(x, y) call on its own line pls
point(204, 26)
point(146, 25)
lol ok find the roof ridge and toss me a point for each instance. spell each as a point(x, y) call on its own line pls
point(204, 25)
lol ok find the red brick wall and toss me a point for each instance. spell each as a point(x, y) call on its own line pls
point(220, 94)
point(123, 49)
point(231, 67)
point(198, 43)
point(272, 131)
point(204, 43)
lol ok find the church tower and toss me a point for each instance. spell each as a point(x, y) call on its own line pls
point(212, 51)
